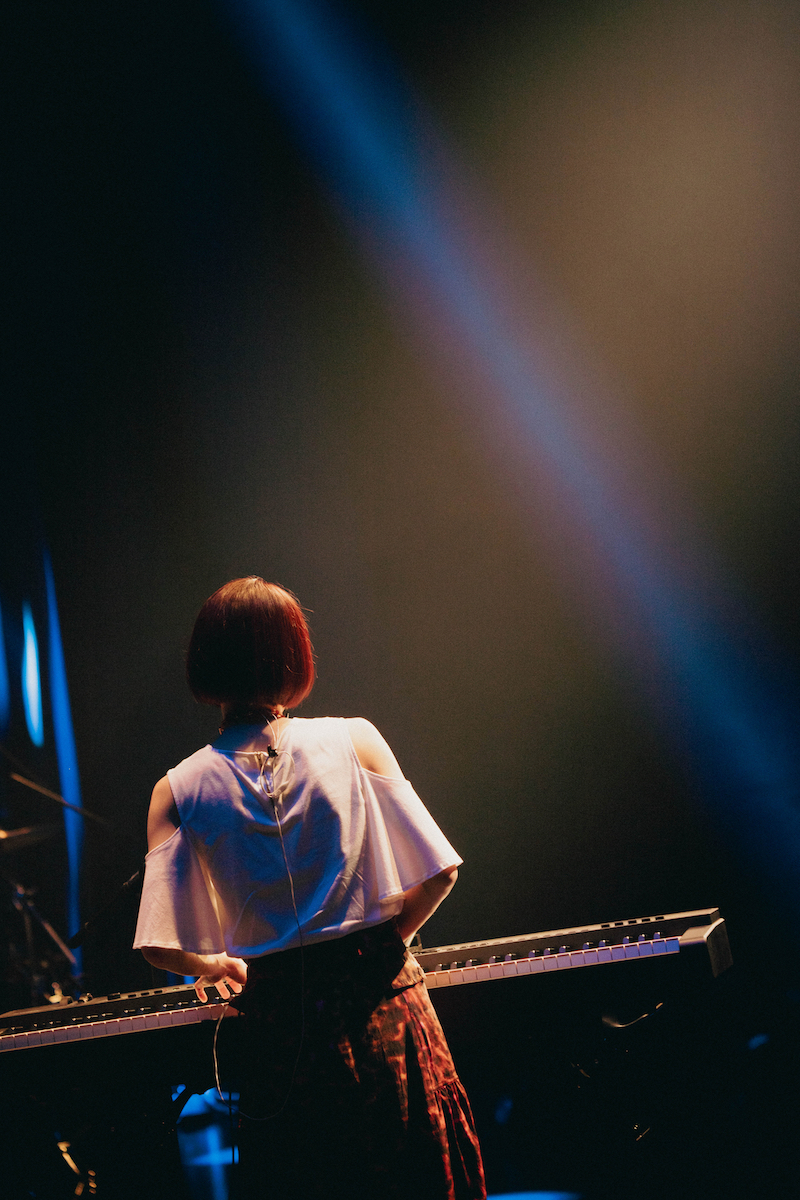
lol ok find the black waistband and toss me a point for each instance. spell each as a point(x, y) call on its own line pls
point(382, 942)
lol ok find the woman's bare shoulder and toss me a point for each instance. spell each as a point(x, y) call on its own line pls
point(372, 749)
point(162, 817)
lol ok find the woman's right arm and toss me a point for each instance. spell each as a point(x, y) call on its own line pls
point(421, 902)
point(372, 749)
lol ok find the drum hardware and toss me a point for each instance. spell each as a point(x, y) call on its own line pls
point(12, 840)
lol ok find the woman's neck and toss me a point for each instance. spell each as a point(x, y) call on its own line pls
point(254, 732)
point(250, 714)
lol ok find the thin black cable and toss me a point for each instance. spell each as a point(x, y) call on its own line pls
point(263, 760)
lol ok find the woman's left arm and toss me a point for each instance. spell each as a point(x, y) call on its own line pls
point(228, 974)
point(162, 815)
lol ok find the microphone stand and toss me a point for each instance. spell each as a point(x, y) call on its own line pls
point(103, 915)
point(23, 903)
point(21, 899)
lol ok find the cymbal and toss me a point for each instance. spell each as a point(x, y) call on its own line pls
point(16, 839)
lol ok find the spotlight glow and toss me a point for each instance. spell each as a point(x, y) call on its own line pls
point(66, 753)
point(31, 681)
point(362, 131)
point(5, 691)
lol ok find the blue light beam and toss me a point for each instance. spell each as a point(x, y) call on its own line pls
point(31, 679)
point(376, 156)
point(66, 754)
point(5, 688)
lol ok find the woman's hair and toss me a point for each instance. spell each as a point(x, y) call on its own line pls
point(250, 646)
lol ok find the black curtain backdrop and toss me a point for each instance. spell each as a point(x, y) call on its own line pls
point(204, 378)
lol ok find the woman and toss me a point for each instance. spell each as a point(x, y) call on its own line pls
point(292, 862)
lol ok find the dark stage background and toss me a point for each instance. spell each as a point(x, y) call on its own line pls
point(207, 377)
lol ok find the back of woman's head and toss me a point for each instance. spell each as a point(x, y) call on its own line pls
point(250, 645)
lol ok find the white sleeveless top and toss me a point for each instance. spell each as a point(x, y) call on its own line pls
point(354, 842)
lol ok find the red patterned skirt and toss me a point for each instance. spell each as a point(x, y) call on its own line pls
point(348, 1090)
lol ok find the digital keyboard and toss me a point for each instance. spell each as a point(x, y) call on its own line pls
point(584, 946)
point(108, 1016)
point(445, 966)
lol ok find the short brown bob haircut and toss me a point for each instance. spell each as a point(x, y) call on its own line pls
point(250, 646)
